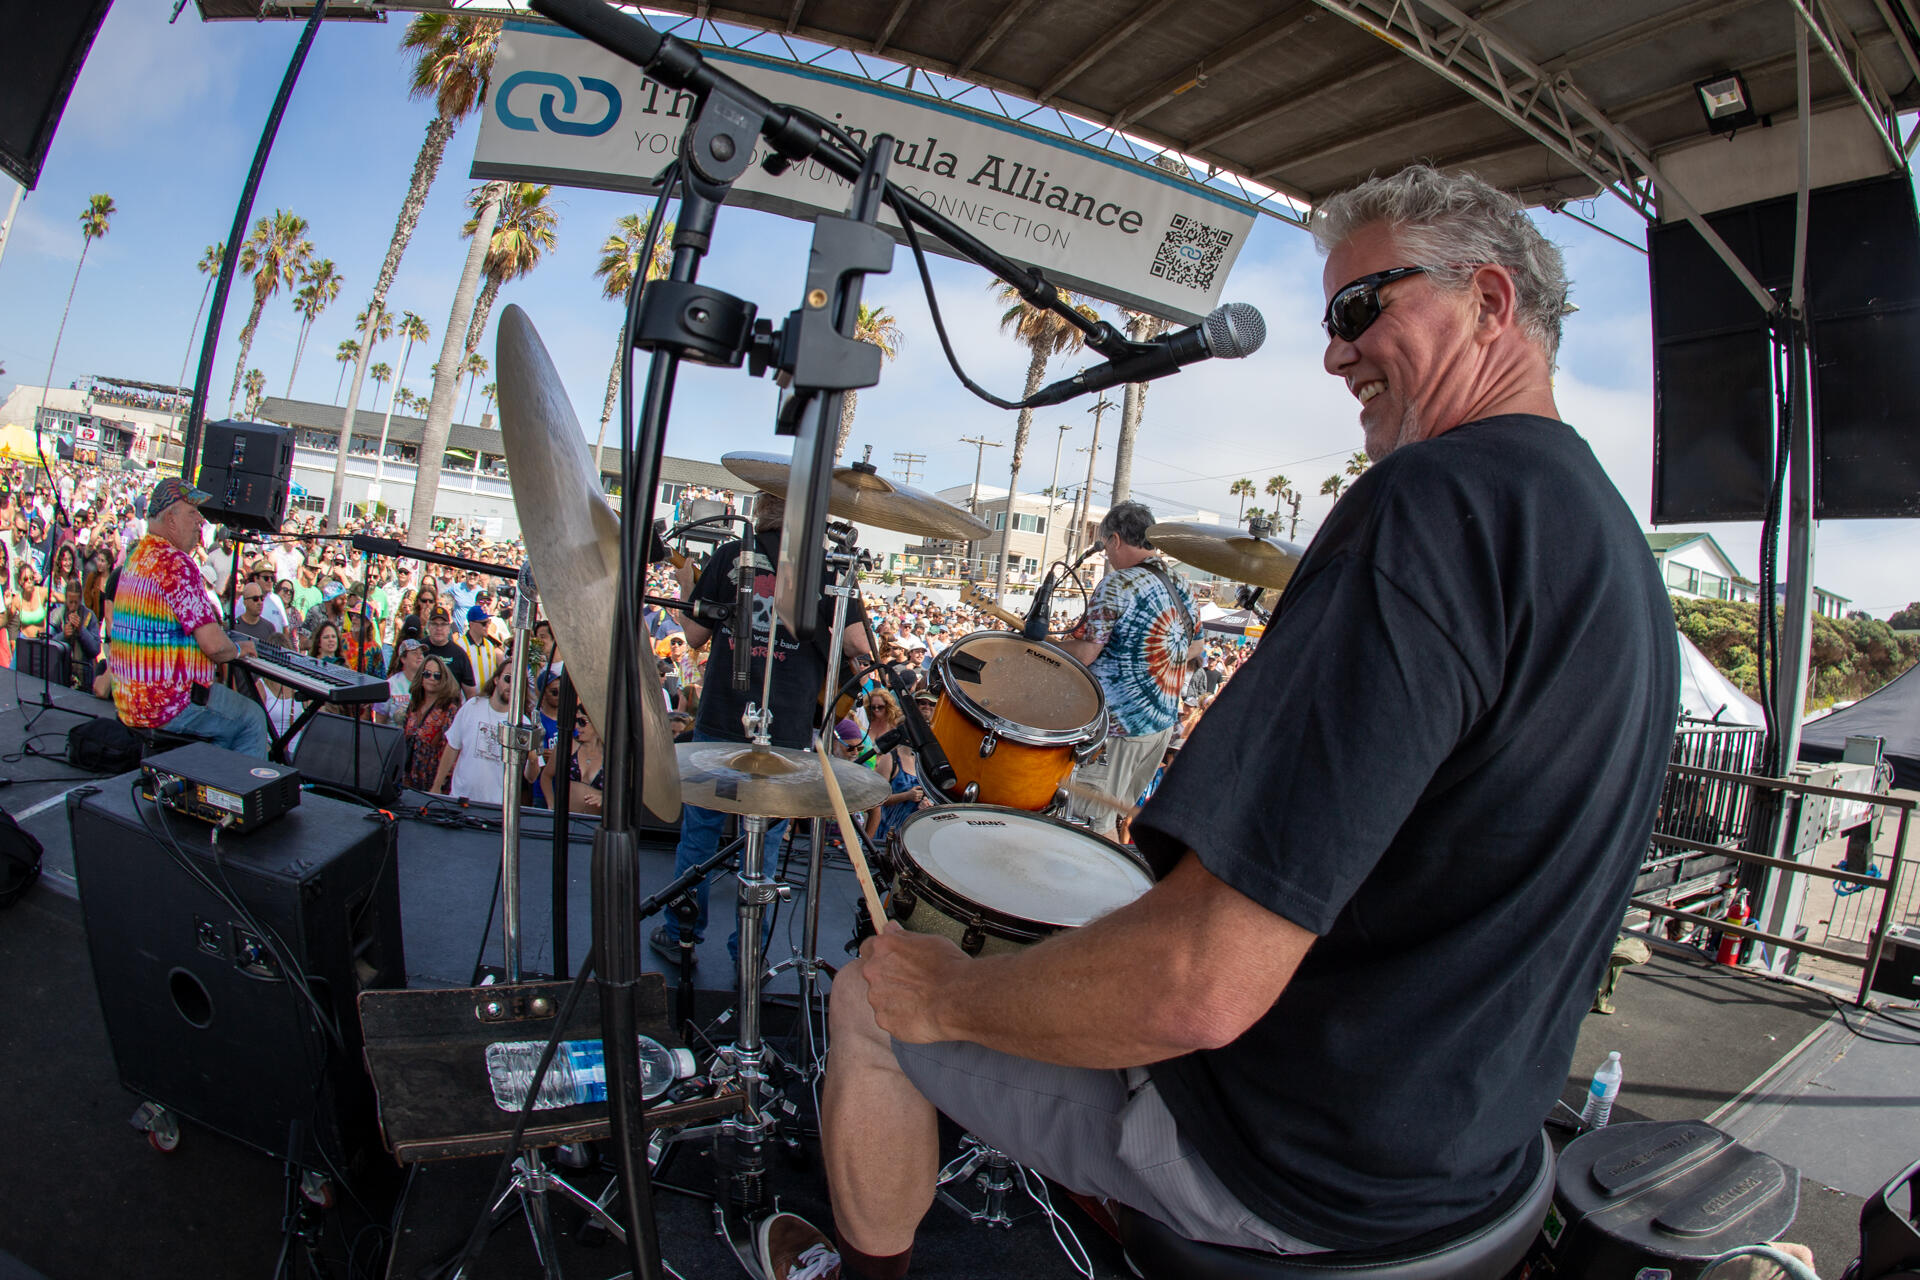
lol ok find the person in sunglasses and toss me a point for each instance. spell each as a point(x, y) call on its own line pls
point(1392, 857)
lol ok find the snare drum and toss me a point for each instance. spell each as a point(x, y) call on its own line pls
point(994, 879)
point(1014, 717)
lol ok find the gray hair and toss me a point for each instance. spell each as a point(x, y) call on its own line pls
point(769, 510)
point(1130, 521)
point(1450, 223)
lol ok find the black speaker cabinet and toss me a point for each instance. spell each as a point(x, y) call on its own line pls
point(44, 660)
point(329, 754)
point(200, 1007)
point(248, 468)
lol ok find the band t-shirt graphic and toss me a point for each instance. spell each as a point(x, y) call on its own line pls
point(799, 670)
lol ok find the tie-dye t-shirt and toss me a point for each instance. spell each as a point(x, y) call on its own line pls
point(1146, 631)
point(161, 602)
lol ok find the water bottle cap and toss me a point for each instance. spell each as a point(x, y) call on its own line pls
point(1614, 1056)
point(683, 1063)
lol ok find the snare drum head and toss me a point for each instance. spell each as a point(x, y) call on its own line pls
point(1021, 864)
point(1022, 683)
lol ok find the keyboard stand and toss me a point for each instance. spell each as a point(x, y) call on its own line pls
point(277, 746)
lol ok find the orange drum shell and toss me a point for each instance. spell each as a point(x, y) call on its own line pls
point(1015, 776)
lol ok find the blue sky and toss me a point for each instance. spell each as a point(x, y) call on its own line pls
point(165, 118)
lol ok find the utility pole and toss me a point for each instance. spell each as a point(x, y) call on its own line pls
point(907, 462)
point(980, 447)
point(1097, 409)
point(1053, 491)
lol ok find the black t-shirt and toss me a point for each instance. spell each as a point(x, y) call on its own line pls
point(457, 662)
point(1443, 759)
point(800, 670)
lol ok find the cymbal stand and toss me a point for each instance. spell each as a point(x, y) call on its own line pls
point(532, 1179)
point(845, 559)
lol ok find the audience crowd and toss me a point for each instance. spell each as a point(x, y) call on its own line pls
point(441, 638)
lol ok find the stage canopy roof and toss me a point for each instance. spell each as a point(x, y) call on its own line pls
point(1292, 100)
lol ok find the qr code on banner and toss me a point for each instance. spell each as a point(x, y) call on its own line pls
point(1191, 253)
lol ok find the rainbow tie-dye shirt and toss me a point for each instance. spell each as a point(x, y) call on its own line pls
point(161, 601)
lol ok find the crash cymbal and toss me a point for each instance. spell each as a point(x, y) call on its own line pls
point(1231, 553)
point(773, 782)
point(573, 539)
point(866, 497)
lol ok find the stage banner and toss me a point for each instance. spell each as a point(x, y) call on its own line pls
point(563, 111)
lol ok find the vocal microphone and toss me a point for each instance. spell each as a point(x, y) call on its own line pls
point(1037, 612)
point(1229, 332)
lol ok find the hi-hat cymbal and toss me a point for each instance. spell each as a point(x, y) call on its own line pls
point(772, 782)
point(866, 497)
point(573, 539)
point(1259, 562)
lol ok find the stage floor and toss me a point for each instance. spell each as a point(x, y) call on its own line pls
point(1774, 1064)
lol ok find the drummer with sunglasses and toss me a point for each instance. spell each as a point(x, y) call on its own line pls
point(1393, 856)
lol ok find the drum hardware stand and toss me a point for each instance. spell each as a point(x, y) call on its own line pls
point(996, 1175)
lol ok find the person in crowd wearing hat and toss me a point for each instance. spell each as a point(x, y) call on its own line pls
point(167, 636)
point(482, 650)
point(441, 644)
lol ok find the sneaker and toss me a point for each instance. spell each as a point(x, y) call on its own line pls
point(791, 1248)
point(667, 946)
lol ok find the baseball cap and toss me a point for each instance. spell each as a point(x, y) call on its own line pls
point(477, 614)
point(170, 490)
point(410, 643)
point(439, 614)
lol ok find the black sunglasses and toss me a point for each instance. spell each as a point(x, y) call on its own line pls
point(1356, 305)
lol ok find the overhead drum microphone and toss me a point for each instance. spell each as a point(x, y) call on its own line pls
point(1229, 332)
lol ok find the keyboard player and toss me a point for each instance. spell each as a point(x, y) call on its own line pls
point(168, 637)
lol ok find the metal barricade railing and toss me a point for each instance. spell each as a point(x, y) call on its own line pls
point(1700, 819)
point(1732, 795)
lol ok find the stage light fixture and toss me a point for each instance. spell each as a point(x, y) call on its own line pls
point(1725, 102)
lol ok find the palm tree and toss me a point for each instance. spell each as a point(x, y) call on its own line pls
point(94, 223)
point(453, 56)
point(475, 367)
point(382, 372)
point(209, 266)
point(619, 261)
point(1333, 485)
point(433, 436)
point(1046, 335)
point(487, 393)
point(256, 386)
point(344, 354)
point(875, 325)
point(521, 235)
point(1241, 489)
point(1251, 514)
point(413, 329)
point(322, 286)
point(278, 252)
point(1141, 327)
point(1357, 464)
point(1280, 489)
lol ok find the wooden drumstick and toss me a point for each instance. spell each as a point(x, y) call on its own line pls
point(851, 838)
point(1080, 791)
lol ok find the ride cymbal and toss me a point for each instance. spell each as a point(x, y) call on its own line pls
point(573, 540)
point(771, 782)
point(1230, 553)
point(865, 497)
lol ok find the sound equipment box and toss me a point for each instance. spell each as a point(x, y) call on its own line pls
point(199, 997)
point(326, 754)
point(248, 468)
point(44, 660)
point(1899, 971)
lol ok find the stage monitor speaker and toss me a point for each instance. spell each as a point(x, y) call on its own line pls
point(200, 1007)
point(248, 468)
point(1713, 364)
point(42, 46)
point(44, 660)
point(326, 754)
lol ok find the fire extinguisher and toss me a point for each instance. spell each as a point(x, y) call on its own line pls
point(1739, 914)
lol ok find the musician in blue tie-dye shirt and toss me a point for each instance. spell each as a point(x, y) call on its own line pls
point(1140, 639)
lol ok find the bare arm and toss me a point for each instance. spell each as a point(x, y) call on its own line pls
point(218, 645)
point(449, 756)
point(1085, 650)
point(1190, 965)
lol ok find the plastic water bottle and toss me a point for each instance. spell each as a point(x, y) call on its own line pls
point(1601, 1093)
point(578, 1072)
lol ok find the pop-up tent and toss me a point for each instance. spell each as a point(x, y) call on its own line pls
point(1891, 712)
point(1707, 694)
